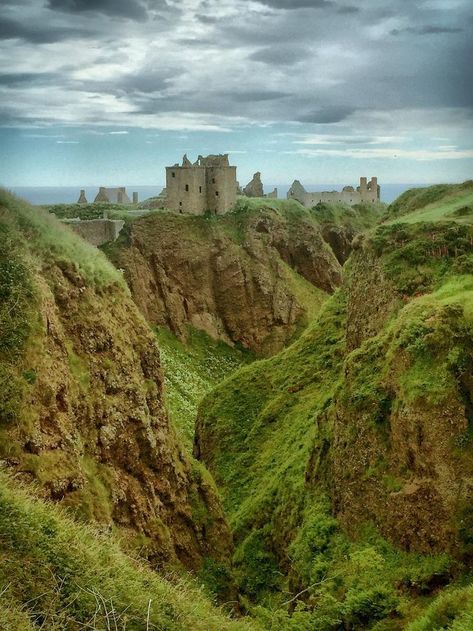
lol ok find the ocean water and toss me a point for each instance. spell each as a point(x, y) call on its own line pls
point(70, 194)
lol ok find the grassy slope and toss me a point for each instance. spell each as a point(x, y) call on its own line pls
point(56, 574)
point(48, 563)
point(444, 202)
point(266, 419)
point(191, 370)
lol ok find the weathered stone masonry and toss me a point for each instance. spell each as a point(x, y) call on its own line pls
point(96, 231)
point(365, 192)
point(209, 184)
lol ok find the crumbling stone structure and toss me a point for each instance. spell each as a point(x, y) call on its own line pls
point(82, 198)
point(255, 188)
point(365, 192)
point(96, 231)
point(209, 184)
point(113, 195)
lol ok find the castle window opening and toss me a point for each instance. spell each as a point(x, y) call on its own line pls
point(213, 180)
point(187, 187)
point(173, 174)
point(200, 189)
point(216, 193)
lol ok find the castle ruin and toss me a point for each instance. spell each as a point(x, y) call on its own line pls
point(109, 196)
point(113, 195)
point(207, 185)
point(365, 192)
point(254, 188)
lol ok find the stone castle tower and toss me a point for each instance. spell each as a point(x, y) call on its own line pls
point(209, 184)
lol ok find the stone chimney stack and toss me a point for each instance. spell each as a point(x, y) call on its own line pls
point(363, 184)
point(135, 198)
point(374, 186)
point(82, 198)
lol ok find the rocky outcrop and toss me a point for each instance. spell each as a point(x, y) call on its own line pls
point(230, 277)
point(401, 418)
point(90, 427)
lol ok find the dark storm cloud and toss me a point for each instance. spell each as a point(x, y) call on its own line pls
point(29, 78)
point(298, 4)
point(327, 115)
point(426, 30)
point(280, 55)
point(273, 61)
point(39, 33)
point(131, 9)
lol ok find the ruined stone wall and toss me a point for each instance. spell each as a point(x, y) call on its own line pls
point(365, 192)
point(97, 231)
point(186, 189)
point(221, 189)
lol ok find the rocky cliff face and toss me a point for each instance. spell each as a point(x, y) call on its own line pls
point(231, 276)
point(83, 412)
point(401, 419)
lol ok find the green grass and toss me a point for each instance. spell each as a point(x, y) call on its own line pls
point(58, 575)
point(359, 217)
point(191, 370)
point(443, 202)
point(267, 432)
point(52, 241)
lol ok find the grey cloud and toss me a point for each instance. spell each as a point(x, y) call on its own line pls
point(326, 115)
point(347, 9)
point(426, 30)
point(22, 78)
point(344, 66)
point(132, 9)
point(259, 95)
point(39, 33)
point(298, 4)
point(281, 55)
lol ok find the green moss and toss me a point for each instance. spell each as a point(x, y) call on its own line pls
point(79, 369)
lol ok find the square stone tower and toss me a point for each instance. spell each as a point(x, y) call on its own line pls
point(209, 184)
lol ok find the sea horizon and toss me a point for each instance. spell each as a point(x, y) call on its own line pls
point(40, 195)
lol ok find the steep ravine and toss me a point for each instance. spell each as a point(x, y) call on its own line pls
point(81, 409)
point(344, 461)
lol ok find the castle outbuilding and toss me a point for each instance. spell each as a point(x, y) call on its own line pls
point(207, 185)
point(113, 195)
point(365, 192)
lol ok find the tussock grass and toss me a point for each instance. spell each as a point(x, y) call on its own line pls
point(58, 575)
point(53, 242)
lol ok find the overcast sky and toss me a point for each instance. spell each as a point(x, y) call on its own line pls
point(110, 91)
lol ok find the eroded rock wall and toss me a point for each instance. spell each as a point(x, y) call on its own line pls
point(227, 278)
